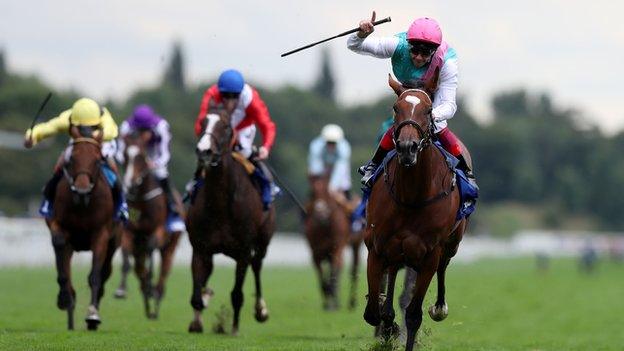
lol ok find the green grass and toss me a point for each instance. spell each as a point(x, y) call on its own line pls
point(493, 305)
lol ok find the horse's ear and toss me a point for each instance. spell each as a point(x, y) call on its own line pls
point(74, 132)
point(432, 84)
point(395, 85)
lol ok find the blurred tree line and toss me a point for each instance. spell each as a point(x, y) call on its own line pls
point(533, 156)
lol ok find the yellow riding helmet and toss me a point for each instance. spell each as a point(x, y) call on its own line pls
point(85, 112)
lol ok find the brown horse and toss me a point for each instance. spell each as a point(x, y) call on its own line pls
point(146, 229)
point(327, 228)
point(83, 220)
point(411, 215)
point(226, 216)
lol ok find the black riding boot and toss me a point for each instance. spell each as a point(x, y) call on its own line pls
point(171, 205)
point(463, 165)
point(369, 169)
point(49, 190)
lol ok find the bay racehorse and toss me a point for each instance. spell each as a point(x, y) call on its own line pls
point(146, 229)
point(226, 216)
point(83, 220)
point(411, 215)
point(328, 230)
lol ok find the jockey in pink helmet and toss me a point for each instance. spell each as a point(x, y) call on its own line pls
point(416, 55)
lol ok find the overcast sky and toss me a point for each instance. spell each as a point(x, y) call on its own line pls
point(572, 49)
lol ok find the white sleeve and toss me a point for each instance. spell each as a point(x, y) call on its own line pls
point(376, 47)
point(163, 146)
point(124, 130)
point(341, 174)
point(444, 104)
point(315, 159)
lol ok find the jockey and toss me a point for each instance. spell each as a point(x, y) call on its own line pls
point(90, 118)
point(331, 152)
point(247, 111)
point(145, 119)
point(415, 56)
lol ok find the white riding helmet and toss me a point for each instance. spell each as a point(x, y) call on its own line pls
point(332, 133)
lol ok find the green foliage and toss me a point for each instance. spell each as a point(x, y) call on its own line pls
point(325, 83)
point(533, 152)
point(174, 74)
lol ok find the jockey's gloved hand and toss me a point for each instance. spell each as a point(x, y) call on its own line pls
point(263, 153)
point(366, 26)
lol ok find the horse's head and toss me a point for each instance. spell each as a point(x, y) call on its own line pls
point(83, 168)
point(319, 185)
point(135, 159)
point(413, 123)
point(217, 137)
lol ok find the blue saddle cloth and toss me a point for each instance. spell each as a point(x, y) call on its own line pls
point(468, 191)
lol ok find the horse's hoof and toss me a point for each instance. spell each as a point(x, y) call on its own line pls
point(152, 316)
point(438, 313)
point(371, 317)
point(262, 315)
point(195, 327)
point(120, 293)
point(93, 322)
point(234, 331)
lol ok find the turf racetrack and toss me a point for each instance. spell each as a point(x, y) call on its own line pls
point(493, 305)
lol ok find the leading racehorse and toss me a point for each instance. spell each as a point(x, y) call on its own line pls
point(226, 216)
point(83, 220)
point(411, 214)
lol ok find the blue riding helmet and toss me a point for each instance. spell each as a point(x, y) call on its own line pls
point(231, 81)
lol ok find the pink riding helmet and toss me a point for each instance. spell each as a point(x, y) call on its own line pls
point(425, 29)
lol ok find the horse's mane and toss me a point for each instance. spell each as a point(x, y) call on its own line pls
point(414, 84)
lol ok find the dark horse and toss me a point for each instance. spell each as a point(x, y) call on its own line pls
point(83, 220)
point(146, 229)
point(411, 215)
point(226, 216)
point(327, 228)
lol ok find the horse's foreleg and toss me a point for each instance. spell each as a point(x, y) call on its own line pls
point(236, 296)
point(201, 268)
point(354, 274)
point(166, 254)
point(262, 312)
point(107, 268)
point(66, 299)
point(387, 314)
point(413, 313)
point(140, 256)
point(407, 293)
point(439, 311)
point(334, 278)
point(374, 273)
point(99, 247)
point(126, 250)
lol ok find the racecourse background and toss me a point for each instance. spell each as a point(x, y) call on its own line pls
point(25, 242)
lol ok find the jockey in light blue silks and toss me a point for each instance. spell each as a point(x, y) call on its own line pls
point(145, 119)
point(331, 152)
point(416, 55)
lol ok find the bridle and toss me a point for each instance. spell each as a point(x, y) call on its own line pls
point(71, 179)
point(424, 133)
point(426, 136)
point(221, 143)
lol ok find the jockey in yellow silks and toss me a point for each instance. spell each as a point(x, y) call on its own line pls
point(90, 119)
